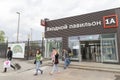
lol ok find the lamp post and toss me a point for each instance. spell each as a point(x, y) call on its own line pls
point(31, 34)
point(42, 43)
point(28, 47)
point(18, 26)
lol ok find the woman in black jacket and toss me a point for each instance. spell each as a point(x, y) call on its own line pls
point(55, 61)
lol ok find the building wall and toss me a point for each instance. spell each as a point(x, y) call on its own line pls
point(88, 30)
point(118, 33)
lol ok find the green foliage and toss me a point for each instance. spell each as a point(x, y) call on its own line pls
point(2, 36)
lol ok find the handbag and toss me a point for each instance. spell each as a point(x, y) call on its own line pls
point(35, 62)
point(7, 64)
point(40, 62)
point(70, 54)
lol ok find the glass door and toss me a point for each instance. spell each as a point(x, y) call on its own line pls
point(109, 50)
point(53, 43)
point(74, 45)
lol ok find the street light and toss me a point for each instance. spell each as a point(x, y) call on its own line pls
point(42, 43)
point(28, 47)
point(18, 26)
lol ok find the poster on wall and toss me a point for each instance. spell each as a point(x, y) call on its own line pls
point(18, 49)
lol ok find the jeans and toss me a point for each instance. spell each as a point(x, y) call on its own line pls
point(55, 68)
point(66, 62)
point(38, 67)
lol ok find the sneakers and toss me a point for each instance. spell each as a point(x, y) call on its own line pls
point(3, 72)
point(41, 72)
point(35, 74)
point(64, 67)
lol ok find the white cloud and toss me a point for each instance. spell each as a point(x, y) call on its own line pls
point(34, 10)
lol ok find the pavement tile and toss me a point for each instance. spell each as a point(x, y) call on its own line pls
point(28, 69)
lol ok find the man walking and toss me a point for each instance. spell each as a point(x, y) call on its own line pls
point(9, 56)
point(66, 58)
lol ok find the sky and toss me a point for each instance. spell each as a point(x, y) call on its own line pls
point(32, 11)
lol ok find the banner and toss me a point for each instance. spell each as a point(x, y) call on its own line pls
point(18, 50)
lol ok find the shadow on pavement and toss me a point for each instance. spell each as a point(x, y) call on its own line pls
point(117, 77)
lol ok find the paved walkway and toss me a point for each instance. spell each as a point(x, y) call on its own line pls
point(75, 65)
point(91, 66)
point(72, 73)
point(96, 66)
point(25, 65)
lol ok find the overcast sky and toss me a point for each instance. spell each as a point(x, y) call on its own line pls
point(33, 10)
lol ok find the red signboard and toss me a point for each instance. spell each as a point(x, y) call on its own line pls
point(110, 21)
point(43, 22)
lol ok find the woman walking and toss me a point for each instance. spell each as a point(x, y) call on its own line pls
point(55, 61)
point(38, 58)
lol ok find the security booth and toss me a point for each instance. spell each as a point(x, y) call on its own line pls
point(93, 37)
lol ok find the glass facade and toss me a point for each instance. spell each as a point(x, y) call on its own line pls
point(75, 48)
point(53, 43)
point(109, 48)
point(97, 48)
point(79, 46)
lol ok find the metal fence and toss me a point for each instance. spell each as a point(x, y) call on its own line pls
point(30, 48)
point(3, 50)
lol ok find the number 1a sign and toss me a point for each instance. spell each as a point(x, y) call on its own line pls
point(110, 21)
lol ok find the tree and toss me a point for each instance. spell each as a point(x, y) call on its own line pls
point(2, 36)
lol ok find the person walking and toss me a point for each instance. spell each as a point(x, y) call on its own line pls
point(70, 52)
point(66, 58)
point(55, 61)
point(9, 57)
point(38, 58)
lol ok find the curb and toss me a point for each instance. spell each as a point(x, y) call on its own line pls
point(83, 67)
point(113, 70)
